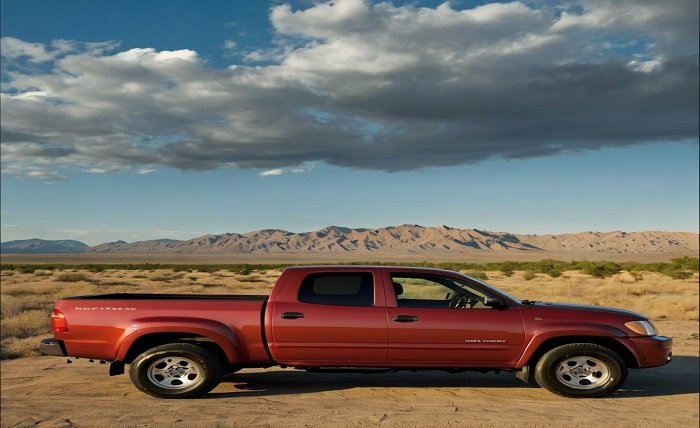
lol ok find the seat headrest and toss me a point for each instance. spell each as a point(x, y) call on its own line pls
point(398, 288)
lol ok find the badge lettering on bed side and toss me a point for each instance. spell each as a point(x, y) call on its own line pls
point(103, 308)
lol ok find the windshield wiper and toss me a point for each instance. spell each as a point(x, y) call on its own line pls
point(528, 302)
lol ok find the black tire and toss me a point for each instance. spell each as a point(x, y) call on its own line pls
point(580, 370)
point(176, 370)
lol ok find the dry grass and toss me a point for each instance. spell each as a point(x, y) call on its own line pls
point(27, 298)
point(25, 324)
point(72, 277)
point(651, 294)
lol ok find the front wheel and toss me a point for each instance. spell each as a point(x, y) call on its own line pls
point(176, 370)
point(581, 370)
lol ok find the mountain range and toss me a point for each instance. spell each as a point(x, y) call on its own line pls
point(404, 239)
point(31, 246)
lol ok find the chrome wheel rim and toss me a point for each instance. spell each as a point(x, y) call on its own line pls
point(174, 372)
point(583, 372)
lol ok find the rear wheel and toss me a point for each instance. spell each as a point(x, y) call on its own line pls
point(581, 370)
point(176, 370)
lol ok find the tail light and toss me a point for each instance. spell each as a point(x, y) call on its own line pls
point(58, 322)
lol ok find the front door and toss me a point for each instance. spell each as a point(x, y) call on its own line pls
point(442, 321)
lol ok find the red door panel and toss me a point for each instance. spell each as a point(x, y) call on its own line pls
point(327, 334)
point(455, 337)
point(330, 335)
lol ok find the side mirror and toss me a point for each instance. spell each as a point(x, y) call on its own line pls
point(494, 302)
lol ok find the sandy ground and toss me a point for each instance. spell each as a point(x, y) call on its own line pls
point(47, 392)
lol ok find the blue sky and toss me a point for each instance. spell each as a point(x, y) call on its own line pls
point(214, 117)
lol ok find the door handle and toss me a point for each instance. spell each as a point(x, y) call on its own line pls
point(405, 318)
point(292, 315)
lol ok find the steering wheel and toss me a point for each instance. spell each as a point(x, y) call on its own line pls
point(459, 301)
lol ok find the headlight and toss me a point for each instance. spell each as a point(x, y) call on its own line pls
point(645, 328)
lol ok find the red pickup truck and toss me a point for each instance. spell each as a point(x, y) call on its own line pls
point(356, 317)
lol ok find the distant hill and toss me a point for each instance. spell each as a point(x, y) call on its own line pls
point(43, 246)
point(395, 240)
point(154, 245)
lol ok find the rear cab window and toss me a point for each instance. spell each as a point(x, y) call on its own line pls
point(338, 288)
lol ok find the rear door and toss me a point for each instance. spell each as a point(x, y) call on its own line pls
point(329, 319)
point(441, 321)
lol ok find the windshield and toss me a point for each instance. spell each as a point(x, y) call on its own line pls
point(492, 288)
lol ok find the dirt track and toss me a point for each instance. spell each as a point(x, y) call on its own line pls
point(47, 392)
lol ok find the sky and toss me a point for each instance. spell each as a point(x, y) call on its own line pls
point(140, 120)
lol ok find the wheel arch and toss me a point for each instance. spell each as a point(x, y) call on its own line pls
point(151, 332)
point(625, 354)
point(152, 340)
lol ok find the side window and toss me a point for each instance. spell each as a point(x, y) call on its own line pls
point(343, 289)
point(435, 291)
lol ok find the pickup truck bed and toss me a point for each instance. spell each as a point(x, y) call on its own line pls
point(113, 327)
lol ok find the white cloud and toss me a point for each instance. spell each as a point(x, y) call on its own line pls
point(298, 169)
point(272, 172)
point(13, 48)
point(41, 175)
point(35, 53)
point(363, 85)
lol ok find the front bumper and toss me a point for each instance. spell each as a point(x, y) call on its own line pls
point(53, 347)
point(652, 351)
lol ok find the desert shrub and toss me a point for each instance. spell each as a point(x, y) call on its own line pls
point(27, 268)
point(599, 269)
point(211, 285)
point(639, 267)
point(250, 279)
point(553, 268)
point(13, 347)
point(550, 267)
point(478, 275)
point(43, 273)
point(160, 278)
point(680, 274)
point(528, 275)
point(507, 268)
point(10, 306)
point(112, 283)
point(244, 270)
point(26, 324)
point(681, 268)
point(678, 268)
point(72, 277)
point(507, 271)
point(636, 275)
point(685, 263)
point(554, 273)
